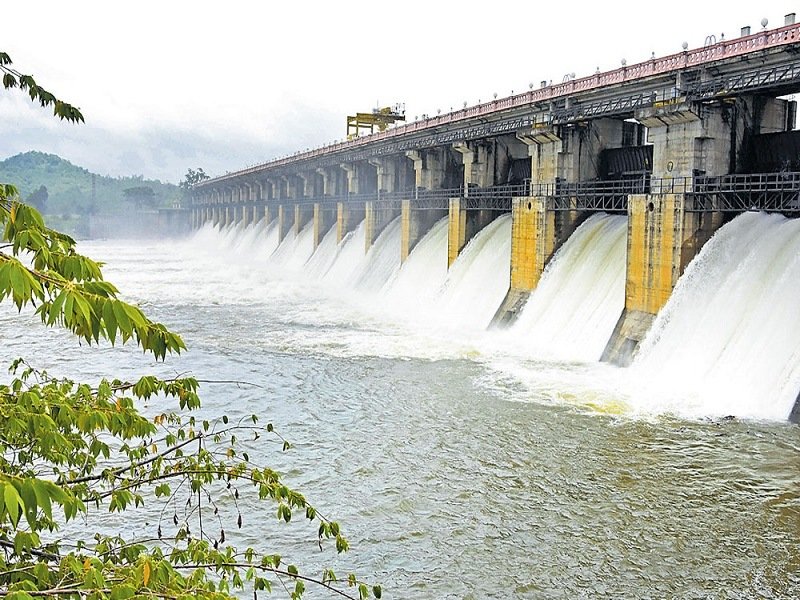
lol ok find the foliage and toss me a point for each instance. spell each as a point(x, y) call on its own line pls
point(14, 79)
point(38, 198)
point(68, 449)
point(70, 187)
point(192, 178)
point(141, 196)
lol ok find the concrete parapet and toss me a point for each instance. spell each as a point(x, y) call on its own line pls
point(664, 235)
point(415, 223)
point(537, 231)
point(376, 218)
point(348, 216)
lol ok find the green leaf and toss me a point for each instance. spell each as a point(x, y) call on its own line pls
point(13, 503)
point(110, 321)
point(43, 498)
point(123, 321)
point(28, 497)
point(122, 592)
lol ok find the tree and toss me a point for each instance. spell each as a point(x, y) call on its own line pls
point(142, 197)
point(68, 448)
point(38, 198)
point(192, 178)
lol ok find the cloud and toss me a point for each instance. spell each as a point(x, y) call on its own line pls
point(161, 150)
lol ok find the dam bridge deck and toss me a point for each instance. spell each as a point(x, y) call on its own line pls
point(769, 192)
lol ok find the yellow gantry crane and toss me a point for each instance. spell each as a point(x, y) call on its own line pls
point(379, 118)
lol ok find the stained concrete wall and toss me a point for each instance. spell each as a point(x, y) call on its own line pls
point(415, 223)
point(324, 218)
point(463, 225)
point(376, 217)
point(285, 213)
point(348, 216)
point(570, 152)
point(303, 213)
point(664, 235)
point(537, 231)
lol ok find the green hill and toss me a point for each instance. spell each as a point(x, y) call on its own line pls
point(69, 187)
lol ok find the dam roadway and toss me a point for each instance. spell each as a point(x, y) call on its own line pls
point(680, 144)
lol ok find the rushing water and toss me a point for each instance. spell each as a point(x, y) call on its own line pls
point(471, 464)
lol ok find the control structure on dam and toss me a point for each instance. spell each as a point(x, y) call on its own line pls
point(680, 144)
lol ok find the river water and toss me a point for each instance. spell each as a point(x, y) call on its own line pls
point(463, 463)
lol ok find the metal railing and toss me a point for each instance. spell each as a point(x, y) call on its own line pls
point(611, 196)
point(727, 49)
point(771, 192)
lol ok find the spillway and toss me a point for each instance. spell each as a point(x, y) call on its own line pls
point(381, 260)
point(349, 258)
point(572, 312)
point(294, 251)
point(726, 343)
point(324, 256)
point(423, 274)
point(478, 280)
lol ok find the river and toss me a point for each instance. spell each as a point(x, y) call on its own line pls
point(463, 463)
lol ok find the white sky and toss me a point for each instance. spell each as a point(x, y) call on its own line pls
point(171, 84)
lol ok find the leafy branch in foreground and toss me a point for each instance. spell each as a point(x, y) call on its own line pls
point(72, 449)
point(14, 79)
point(75, 448)
point(40, 266)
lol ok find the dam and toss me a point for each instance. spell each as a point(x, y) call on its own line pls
point(643, 217)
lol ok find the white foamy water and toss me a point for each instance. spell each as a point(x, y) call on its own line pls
point(294, 251)
point(381, 260)
point(572, 312)
point(349, 257)
point(726, 343)
point(478, 280)
point(728, 340)
point(324, 256)
point(422, 275)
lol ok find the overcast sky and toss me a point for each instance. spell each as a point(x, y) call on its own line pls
point(174, 84)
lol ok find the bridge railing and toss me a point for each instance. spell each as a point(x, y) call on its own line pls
point(597, 195)
point(770, 192)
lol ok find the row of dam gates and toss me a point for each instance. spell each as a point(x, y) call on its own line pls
point(681, 144)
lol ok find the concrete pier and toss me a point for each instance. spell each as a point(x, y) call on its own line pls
point(283, 221)
point(348, 216)
point(377, 216)
point(463, 225)
point(303, 213)
point(537, 231)
point(324, 218)
point(415, 223)
point(664, 235)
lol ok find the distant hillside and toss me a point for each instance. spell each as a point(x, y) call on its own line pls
point(69, 187)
